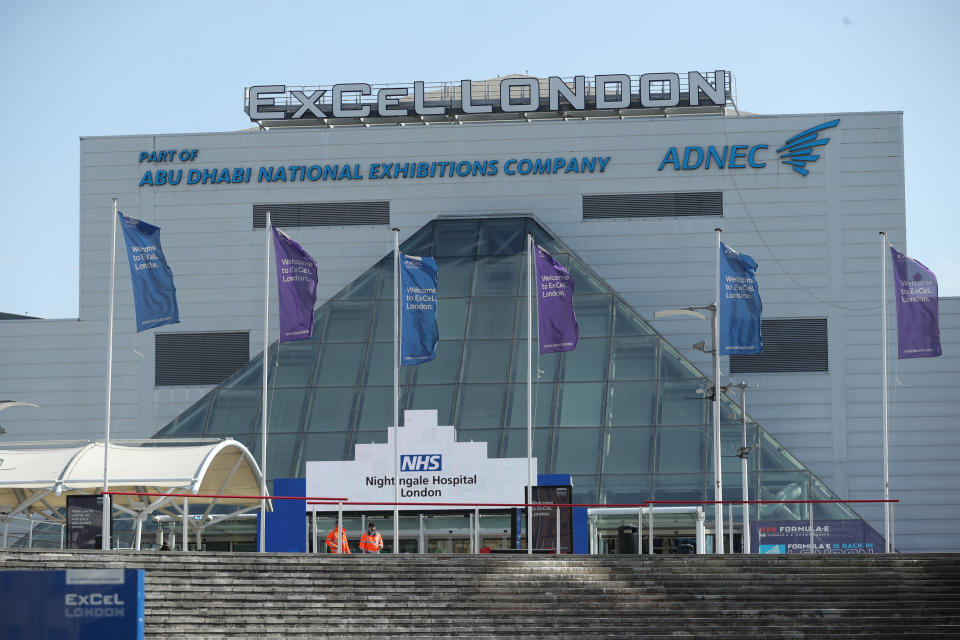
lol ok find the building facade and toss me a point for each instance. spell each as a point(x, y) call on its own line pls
point(629, 199)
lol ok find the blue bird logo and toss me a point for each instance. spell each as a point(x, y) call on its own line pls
point(796, 151)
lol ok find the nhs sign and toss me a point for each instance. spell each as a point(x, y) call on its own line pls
point(421, 462)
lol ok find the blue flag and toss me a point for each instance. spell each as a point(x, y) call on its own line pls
point(154, 295)
point(740, 305)
point(418, 309)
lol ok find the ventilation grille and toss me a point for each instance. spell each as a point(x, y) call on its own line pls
point(322, 214)
point(653, 205)
point(199, 358)
point(789, 345)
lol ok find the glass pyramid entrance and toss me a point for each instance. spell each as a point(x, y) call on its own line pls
point(621, 413)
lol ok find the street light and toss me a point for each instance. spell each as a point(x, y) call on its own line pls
point(6, 404)
point(694, 312)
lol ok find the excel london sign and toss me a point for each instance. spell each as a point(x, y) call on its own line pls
point(513, 95)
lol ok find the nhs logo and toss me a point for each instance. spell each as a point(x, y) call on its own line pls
point(421, 462)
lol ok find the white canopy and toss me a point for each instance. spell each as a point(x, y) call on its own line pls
point(38, 477)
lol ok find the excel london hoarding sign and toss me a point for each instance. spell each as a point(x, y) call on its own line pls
point(511, 95)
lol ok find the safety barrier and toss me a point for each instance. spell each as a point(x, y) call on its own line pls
point(649, 507)
point(32, 533)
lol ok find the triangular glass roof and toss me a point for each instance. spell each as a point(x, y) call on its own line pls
point(621, 413)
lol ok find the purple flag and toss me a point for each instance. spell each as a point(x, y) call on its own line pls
point(296, 286)
point(918, 316)
point(557, 322)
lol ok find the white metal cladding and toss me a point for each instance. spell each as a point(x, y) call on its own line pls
point(815, 239)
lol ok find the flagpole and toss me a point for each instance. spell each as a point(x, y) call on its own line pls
point(530, 393)
point(396, 390)
point(717, 471)
point(266, 366)
point(883, 359)
point(105, 521)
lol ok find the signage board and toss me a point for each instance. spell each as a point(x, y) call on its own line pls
point(545, 518)
point(84, 521)
point(829, 536)
point(434, 471)
point(82, 604)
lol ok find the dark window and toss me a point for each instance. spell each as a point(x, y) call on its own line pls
point(789, 345)
point(652, 205)
point(199, 358)
point(322, 214)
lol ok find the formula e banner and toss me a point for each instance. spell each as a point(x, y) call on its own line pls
point(296, 287)
point(154, 295)
point(418, 309)
point(556, 320)
point(81, 604)
point(918, 314)
point(829, 536)
point(740, 305)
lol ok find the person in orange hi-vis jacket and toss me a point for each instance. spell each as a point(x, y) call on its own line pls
point(371, 541)
point(337, 534)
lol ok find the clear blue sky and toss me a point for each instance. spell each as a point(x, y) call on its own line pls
point(96, 68)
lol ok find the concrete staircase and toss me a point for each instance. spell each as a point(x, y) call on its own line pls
point(222, 595)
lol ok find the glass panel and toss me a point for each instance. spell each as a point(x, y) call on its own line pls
point(454, 277)
point(627, 323)
point(363, 288)
point(331, 409)
point(490, 437)
point(455, 237)
point(323, 447)
point(674, 367)
point(626, 489)
point(445, 368)
point(790, 485)
point(480, 405)
point(439, 397)
point(585, 489)
point(501, 237)
point(190, 422)
point(628, 450)
point(486, 361)
point(631, 403)
point(497, 276)
point(546, 367)
point(340, 364)
point(634, 358)
point(375, 408)
point(281, 454)
point(452, 318)
point(577, 451)
point(491, 317)
point(681, 449)
point(515, 445)
point(295, 366)
point(286, 411)
point(587, 362)
point(681, 404)
point(347, 321)
point(593, 315)
point(542, 404)
point(233, 412)
point(730, 438)
point(543, 238)
point(386, 285)
point(580, 404)
point(383, 321)
point(379, 366)
point(673, 486)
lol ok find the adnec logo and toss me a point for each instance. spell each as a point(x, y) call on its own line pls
point(421, 462)
point(796, 153)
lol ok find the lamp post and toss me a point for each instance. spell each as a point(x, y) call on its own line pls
point(6, 404)
point(694, 312)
